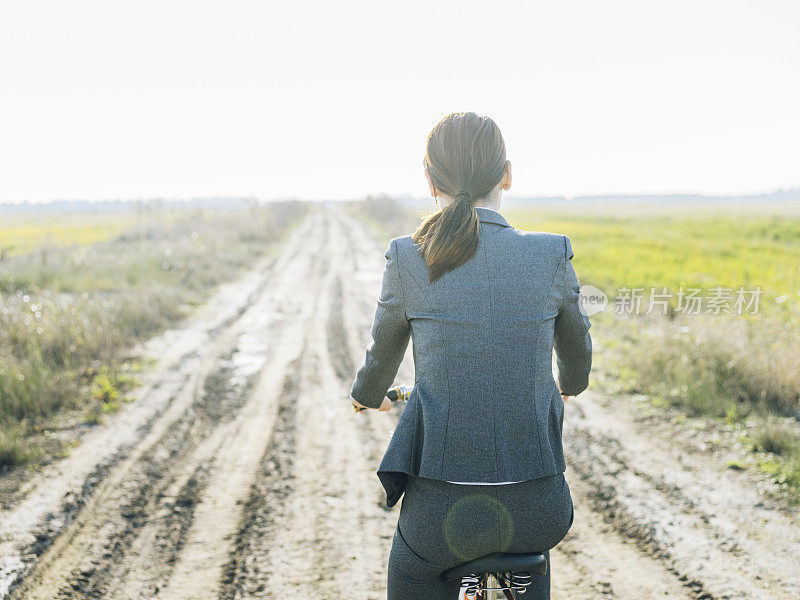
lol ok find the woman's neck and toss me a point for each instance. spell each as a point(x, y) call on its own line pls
point(492, 202)
point(495, 206)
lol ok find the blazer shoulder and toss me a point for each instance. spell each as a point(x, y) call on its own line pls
point(548, 243)
point(403, 245)
point(402, 241)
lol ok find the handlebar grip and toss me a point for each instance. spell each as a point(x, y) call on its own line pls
point(399, 393)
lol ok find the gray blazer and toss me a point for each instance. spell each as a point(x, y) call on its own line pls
point(485, 406)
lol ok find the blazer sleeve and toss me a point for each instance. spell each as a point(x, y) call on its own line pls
point(572, 342)
point(390, 336)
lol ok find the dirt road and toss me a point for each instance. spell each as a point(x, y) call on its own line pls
point(241, 471)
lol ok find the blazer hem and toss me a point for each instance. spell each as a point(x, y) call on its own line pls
point(394, 482)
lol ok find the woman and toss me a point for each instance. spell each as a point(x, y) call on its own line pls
point(477, 450)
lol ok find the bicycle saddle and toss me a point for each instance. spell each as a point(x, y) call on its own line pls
point(498, 562)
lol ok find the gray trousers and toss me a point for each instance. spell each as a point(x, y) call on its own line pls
point(444, 524)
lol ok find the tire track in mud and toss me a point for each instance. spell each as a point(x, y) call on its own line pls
point(356, 292)
point(84, 560)
point(266, 502)
point(174, 511)
point(105, 533)
point(313, 526)
point(341, 354)
point(161, 533)
point(199, 569)
point(159, 546)
point(50, 503)
point(700, 546)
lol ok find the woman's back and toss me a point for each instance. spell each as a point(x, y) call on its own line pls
point(485, 406)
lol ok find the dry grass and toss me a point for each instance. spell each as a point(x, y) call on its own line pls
point(67, 321)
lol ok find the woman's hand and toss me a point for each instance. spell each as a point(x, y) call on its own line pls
point(385, 405)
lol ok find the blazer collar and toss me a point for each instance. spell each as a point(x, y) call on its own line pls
point(488, 215)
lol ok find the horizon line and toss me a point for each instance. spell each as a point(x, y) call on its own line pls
point(405, 195)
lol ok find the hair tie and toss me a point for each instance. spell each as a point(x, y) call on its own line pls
point(463, 195)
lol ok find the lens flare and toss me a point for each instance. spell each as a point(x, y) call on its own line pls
point(477, 524)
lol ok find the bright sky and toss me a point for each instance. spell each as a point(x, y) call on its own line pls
point(334, 100)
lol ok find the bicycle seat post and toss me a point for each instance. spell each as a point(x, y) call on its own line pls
point(497, 572)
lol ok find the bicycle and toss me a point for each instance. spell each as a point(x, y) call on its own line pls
point(485, 577)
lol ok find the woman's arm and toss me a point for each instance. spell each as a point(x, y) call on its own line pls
point(573, 344)
point(391, 332)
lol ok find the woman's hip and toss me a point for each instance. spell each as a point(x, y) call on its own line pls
point(446, 523)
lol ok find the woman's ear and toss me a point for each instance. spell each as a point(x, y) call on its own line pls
point(505, 182)
point(430, 183)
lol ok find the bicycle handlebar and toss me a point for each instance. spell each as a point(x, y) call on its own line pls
point(398, 393)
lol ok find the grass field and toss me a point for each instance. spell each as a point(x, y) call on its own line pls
point(676, 249)
point(25, 233)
